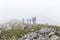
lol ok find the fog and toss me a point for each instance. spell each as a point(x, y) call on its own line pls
point(46, 11)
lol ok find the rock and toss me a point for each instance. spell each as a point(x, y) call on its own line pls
point(42, 34)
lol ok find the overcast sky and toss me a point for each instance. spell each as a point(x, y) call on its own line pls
point(46, 11)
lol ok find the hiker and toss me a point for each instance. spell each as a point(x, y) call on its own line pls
point(34, 20)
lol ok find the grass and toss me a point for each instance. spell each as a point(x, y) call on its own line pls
point(16, 32)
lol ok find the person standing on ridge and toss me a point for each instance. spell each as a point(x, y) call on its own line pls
point(30, 21)
point(27, 20)
point(34, 19)
point(23, 20)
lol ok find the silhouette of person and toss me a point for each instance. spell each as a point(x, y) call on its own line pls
point(34, 20)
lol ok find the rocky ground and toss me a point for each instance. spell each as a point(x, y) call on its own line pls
point(16, 30)
point(42, 34)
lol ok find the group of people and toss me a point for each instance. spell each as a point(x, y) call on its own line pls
point(31, 20)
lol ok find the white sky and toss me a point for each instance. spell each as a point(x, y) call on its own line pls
point(46, 11)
